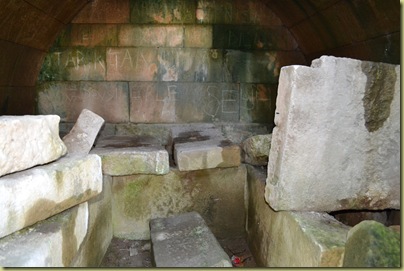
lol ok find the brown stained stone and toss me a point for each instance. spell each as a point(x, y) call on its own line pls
point(100, 11)
point(198, 36)
point(89, 35)
point(12, 104)
point(151, 36)
point(134, 64)
point(68, 99)
point(27, 67)
point(8, 60)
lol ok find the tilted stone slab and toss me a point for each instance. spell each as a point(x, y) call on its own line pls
point(186, 241)
point(290, 239)
point(336, 144)
point(371, 244)
point(36, 194)
point(256, 149)
point(127, 155)
point(81, 138)
point(50, 243)
point(27, 141)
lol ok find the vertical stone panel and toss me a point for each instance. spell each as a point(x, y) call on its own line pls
point(198, 36)
point(151, 36)
point(88, 35)
point(257, 102)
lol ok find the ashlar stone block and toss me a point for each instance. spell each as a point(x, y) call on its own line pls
point(336, 144)
point(186, 241)
point(27, 141)
point(290, 239)
point(127, 155)
point(51, 243)
point(36, 194)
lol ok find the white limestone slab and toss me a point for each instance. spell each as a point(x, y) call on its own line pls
point(51, 243)
point(27, 141)
point(336, 144)
point(38, 193)
point(81, 138)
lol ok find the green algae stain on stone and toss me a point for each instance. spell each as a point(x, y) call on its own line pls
point(379, 93)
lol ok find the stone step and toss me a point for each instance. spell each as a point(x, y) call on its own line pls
point(27, 141)
point(128, 155)
point(50, 243)
point(185, 241)
point(203, 147)
point(38, 193)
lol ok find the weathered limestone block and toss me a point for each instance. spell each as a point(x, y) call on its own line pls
point(203, 147)
point(290, 239)
point(27, 141)
point(186, 241)
point(81, 138)
point(371, 244)
point(50, 243)
point(336, 144)
point(99, 235)
point(36, 194)
point(127, 155)
point(217, 194)
point(256, 149)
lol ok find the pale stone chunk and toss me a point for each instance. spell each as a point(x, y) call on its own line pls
point(290, 239)
point(27, 141)
point(36, 194)
point(51, 243)
point(256, 149)
point(81, 138)
point(99, 234)
point(336, 144)
point(206, 154)
point(186, 241)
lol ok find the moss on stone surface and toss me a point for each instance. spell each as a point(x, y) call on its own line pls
point(371, 244)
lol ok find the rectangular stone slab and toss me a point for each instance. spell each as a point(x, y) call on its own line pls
point(336, 144)
point(36, 194)
point(27, 141)
point(185, 241)
point(51, 243)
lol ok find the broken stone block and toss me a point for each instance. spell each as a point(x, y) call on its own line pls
point(131, 155)
point(50, 243)
point(38, 193)
point(203, 147)
point(99, 234)
point(186, 241)
point(336, 144)
point(371, 244)
point(290, 239)
point(217, 194)
point(27, 141)
point(256, 149)
point(81, 138)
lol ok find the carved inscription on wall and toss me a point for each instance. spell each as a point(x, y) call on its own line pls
point(198, 102)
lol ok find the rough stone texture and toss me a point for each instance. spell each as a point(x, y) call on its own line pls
point(337, 137)
point(203, 147)
point(51, 243)
point(81, 138)
point(27, 141)
point(185, 241)
point(290, 239)
point(371, 244)
point(256, 149)
point(99, 235)
point(216, 194)
point(131, 155)
point(36, 194)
